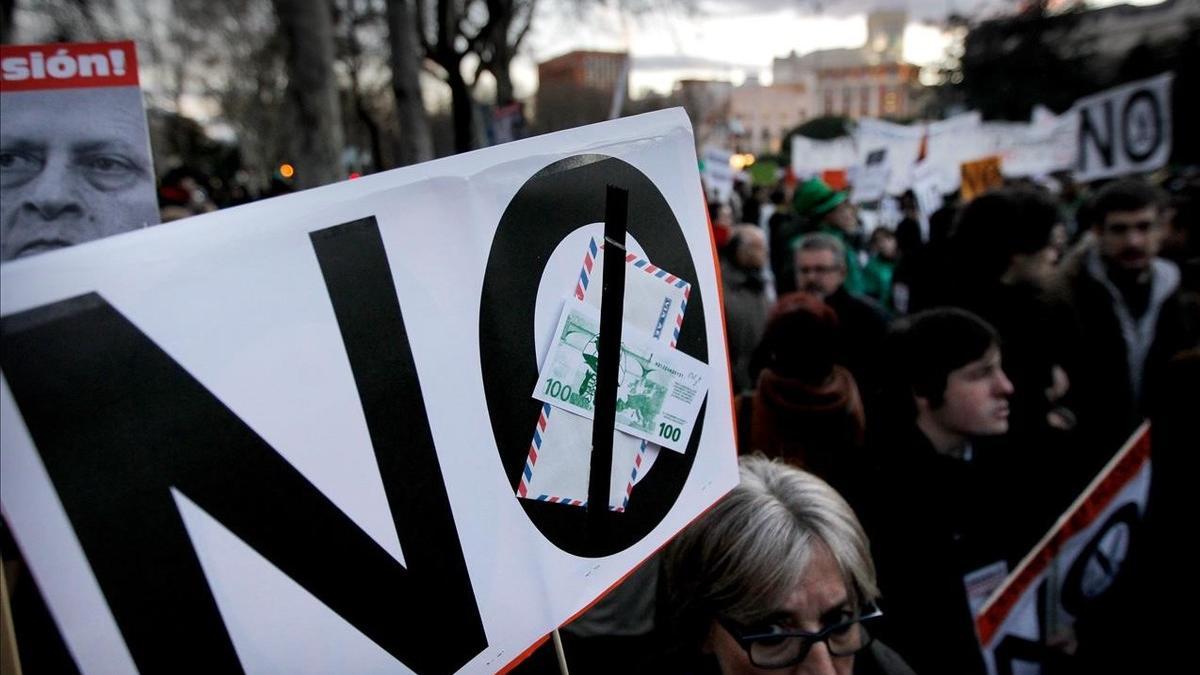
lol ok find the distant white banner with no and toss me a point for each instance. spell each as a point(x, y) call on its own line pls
point(1125, 129)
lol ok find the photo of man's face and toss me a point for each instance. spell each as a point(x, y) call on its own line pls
point(74, 166)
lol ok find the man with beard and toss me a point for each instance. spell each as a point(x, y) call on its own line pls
point(1128, 314)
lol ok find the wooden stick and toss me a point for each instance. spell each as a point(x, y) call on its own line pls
point(10, 661)
point(558, 650)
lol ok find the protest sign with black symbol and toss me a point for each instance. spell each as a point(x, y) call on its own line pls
point(288, 437)
point(1068, 573)
point(1125, 129)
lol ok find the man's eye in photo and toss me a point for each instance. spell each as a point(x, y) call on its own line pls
point(17, 161)
point(109, 171)
point(109, 163)
point(17, 168)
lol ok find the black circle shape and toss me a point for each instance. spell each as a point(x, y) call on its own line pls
point(552, 204)
point(1151, 148)
point(1074, 597)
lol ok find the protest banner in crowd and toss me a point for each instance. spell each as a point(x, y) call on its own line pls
point(1125, 129)
point(929, 188)
point(1119, 131)
point(1073, 565)
point(979, 176)
point(810, 157)
point(1038, 148)
point(292, 436)
point(903, 145)
point(76, 146)
point(717, 174)
point(870, 179)
point(949, 143)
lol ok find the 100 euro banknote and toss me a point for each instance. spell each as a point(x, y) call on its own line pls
point(659, 389)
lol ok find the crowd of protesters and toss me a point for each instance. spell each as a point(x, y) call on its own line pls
point(915, 406)
point(958, 380)
point(995, 365)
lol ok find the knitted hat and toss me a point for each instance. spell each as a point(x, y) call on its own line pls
point(800, 340)
point(815, 198)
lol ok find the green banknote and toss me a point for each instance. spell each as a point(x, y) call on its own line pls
point(659, 389)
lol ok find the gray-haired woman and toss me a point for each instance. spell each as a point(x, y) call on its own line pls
point(777, 577)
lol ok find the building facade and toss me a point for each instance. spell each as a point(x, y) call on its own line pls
point(763, 115)
point(867, 81)
point(884, 90)
point(579, 88)
point(603, 71)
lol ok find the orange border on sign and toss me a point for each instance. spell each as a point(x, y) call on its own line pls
point(1098, 495)
point(721, 305)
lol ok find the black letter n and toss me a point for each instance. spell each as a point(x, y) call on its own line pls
point(118, 422)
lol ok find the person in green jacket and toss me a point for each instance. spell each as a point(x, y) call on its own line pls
point(829, 211)
point(881, 266)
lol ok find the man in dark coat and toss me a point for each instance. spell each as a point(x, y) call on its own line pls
point(748, 298)
point(821, 270)
point(1129, 315)
point(932, 504)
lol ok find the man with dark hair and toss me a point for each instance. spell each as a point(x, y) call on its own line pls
point(1003, 259)
point(929, 504)
point(1128, 314)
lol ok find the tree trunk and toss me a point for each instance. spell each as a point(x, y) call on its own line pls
point(8, 9)
point(373, 133)
point(501, 70)
point(462, 109)
point(312, 93)
point(416, 141)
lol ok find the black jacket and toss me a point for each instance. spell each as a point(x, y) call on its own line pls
point(862, 325)
point(930, 519)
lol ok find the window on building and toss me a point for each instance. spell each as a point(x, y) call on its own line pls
point(891, 103)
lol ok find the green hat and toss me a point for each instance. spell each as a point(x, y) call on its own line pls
point(815, 198)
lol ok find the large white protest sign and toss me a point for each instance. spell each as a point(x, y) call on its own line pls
point(810, 157)
point(718, 174)
point(903, 145)
point(951, 142)
point(288, 437)
point(871, 178)
point(1124, 130)
point(76, 149)
point(930, 190)
point(1039, 148)
point(1073, 565)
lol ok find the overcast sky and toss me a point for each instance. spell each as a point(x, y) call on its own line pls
point(731, 39)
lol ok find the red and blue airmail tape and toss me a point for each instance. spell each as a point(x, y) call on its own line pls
point(581, 288)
